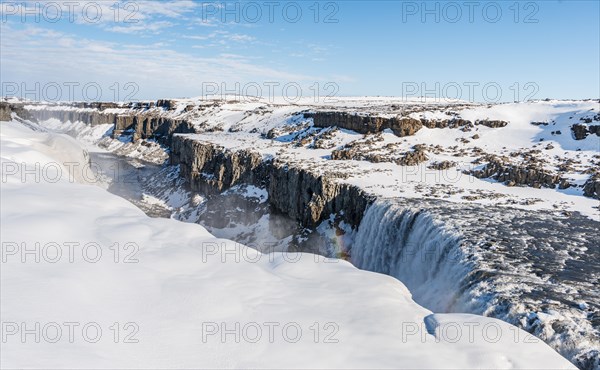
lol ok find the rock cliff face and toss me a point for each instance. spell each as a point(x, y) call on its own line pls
point(302, 194)
point(148, 126)
point(6, 109)
point(5, 112)
point(91, 117)
point(366, 124)
point(400, 126)
point(210, 168)
point(135, 119)
point(311, 198)
point(299, 193)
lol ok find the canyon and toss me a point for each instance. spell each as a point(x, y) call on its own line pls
point(517, 240)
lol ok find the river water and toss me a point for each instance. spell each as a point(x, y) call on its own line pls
point(126, 177)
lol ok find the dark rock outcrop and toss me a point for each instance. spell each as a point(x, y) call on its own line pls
point(362, 151)
point(591, 188)
point(166, 104)
point(6, 110)
point(580, 131)
point(491, 123)
point(136, 120)
point(451, 123)
point(90, 117)
point(300, 193)
point(97, 105)
point(511, 174)
point(400, 126)
point(210, 168)
point(442, 165)
point(365, 124)
point(461, 123)
point(147, 126)
point(413, 158)
point(310, 198)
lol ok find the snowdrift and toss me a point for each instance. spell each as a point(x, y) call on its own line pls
point(89, 281)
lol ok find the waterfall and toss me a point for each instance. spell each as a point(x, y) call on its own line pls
point(408, 244)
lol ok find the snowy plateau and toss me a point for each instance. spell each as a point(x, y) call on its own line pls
point(359, 233)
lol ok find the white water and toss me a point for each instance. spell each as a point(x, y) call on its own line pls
point(410, 246)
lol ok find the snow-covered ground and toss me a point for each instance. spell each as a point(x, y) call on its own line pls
point(112, 288)
point(538, 134)
point(238, 125)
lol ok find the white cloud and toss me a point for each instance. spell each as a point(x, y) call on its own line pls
point(222, 37)
point(38, 55)
point(151, 27)
point(240, 38)
point(197, 37)
point(123, 16)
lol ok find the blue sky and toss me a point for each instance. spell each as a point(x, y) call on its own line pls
point(483, 51)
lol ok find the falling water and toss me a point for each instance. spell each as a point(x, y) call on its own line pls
point(409, 245)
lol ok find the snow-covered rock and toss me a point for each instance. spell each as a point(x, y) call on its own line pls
point(112, 288)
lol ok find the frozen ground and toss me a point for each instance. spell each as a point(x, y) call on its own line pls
point(138, 292)
point(538, 135)
point(531, 264)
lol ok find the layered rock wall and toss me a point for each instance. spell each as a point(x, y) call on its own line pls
point(210, 168)
point(299, 193)
point(135, 119)
point(365, 124)
point(400, 126)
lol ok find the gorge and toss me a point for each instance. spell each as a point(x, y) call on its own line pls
point(262, 174)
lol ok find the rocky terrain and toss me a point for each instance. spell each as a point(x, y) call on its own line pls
point(449, 170)
point(405, 134)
